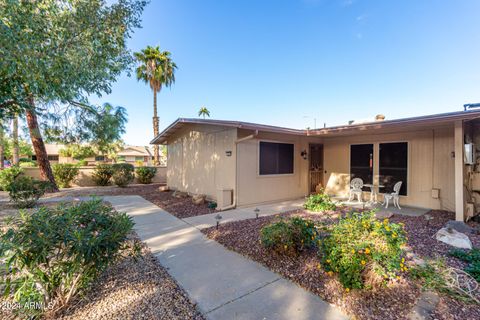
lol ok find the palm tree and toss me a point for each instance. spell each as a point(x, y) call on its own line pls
point(203, 112)
point(157, 69)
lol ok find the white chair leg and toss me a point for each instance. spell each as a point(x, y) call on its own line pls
point(350, 198)
point(386, 202)
point(398, 203)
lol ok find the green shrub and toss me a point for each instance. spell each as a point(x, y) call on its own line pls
point(145, 175)
point(319, 202)
point(102, 174)
point(82, 163)
point(65, 174)
point(472, 257)
point(7, 176)
point(364, 251)
point(289, 236)
point(212, 205)
point(55, 252)
point(25, 191)
point(28, 164)
point(123, 174)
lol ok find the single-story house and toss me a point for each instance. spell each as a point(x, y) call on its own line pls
point(243, 164)
point(129, 154)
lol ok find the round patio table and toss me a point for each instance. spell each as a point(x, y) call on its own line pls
point(373, 193)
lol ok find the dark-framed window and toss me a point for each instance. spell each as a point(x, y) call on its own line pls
point(99, 158)
point(361, 162)
point(276, 158)
point(393, 166)
point(53, 158)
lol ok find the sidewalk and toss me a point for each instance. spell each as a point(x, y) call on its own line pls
point(224, 284)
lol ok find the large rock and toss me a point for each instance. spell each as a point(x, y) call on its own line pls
point(180, 194)
point(454, 238)
point(460, 226)
point(198, 199)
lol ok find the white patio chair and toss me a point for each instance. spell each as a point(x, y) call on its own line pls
point(356, 186)
point(395, 195)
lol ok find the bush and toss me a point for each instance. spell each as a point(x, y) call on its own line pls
point(82, 163)
point(65, 174)
point(363, 250)
point(123, 174)
point(472, 257)
point(28, 164)
point(289, 236)
point(145, 175)
point(7, 176)
point(319, 202)
point(25, 191)
point(55, 252)
point(102, 174)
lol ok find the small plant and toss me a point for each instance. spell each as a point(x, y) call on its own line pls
point(83, 163)
point(65, 174)
point(212, 205)
point(123, 174)
point(145, 175)
point(472, 257)
point(138, 163)
point(55, 252)
point(25, 191)
point(27, 164)
point(289, 236)
point(102, 174)
point(319, 202)
point(7, 176)
point(364, 251)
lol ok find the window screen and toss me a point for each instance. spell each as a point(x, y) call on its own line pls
point(361, 162)
point(276, 158)
point(393, 166)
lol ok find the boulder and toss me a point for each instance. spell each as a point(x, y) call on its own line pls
point(163, 188)
point(459, 226)
point(454, 238)
point(180, 194)
point(199, 199)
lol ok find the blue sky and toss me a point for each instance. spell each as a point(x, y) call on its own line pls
point(286, 62)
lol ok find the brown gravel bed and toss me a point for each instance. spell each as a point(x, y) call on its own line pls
point(133, 289)
point(394, 302)
point(179, 207)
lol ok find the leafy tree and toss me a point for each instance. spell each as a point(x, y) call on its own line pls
point(61, 51)
point(2, 143)
point(156, 68)
point(77, 151)
point(15, 146)
point(204, 112)
point(24, 148)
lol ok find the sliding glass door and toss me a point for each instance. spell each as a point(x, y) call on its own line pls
point(393, 166)
point(361, 162)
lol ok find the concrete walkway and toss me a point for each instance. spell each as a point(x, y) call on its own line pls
point(224, 284)
point(208, 220)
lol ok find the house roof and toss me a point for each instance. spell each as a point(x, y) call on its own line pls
point(435, 119)
point(135, 151)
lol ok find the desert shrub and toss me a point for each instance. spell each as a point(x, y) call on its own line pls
point(212, 205)
point(123, 174)
point(55, 252)
point(83, 163)
point(102, 174)
point(145, 175)
point(25, 191)
point(7, 176)
point(473, 259)
point(138, 163)
point(28, 164)
point(289, 236)
point(319, 202)
point(65, 174)
point(364, 251)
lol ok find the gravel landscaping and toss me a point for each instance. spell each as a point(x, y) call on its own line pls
point(179, 207)
point(393, 302)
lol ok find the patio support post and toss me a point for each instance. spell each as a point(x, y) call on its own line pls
point(459, 172)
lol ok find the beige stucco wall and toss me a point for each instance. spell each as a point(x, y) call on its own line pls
point(197, 160)
point(430, 164)
point(254, 188)
point(84, 178)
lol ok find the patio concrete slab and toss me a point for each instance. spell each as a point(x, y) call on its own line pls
point(243, 213)
point(224, 284)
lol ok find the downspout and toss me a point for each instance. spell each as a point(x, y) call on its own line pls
point(234, 204)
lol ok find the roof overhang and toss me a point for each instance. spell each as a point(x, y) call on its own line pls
point(362, 128)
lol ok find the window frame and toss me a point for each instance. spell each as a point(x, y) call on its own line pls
point(374, 158)
point(275, 174)
point(409, 165)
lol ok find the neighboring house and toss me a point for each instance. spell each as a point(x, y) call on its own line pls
point(240, 164)
point(129, 154)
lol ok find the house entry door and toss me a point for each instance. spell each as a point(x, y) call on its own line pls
point(316, 166)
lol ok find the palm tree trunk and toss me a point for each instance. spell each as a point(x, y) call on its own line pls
point(2, 142)
point(39, 146)
point(15, 153)
point(156, 153)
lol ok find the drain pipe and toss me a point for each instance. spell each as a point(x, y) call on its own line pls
point(249, 137)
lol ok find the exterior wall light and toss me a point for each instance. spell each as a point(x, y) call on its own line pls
point(257, 211)
point(218, 217)
point(304, 154)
